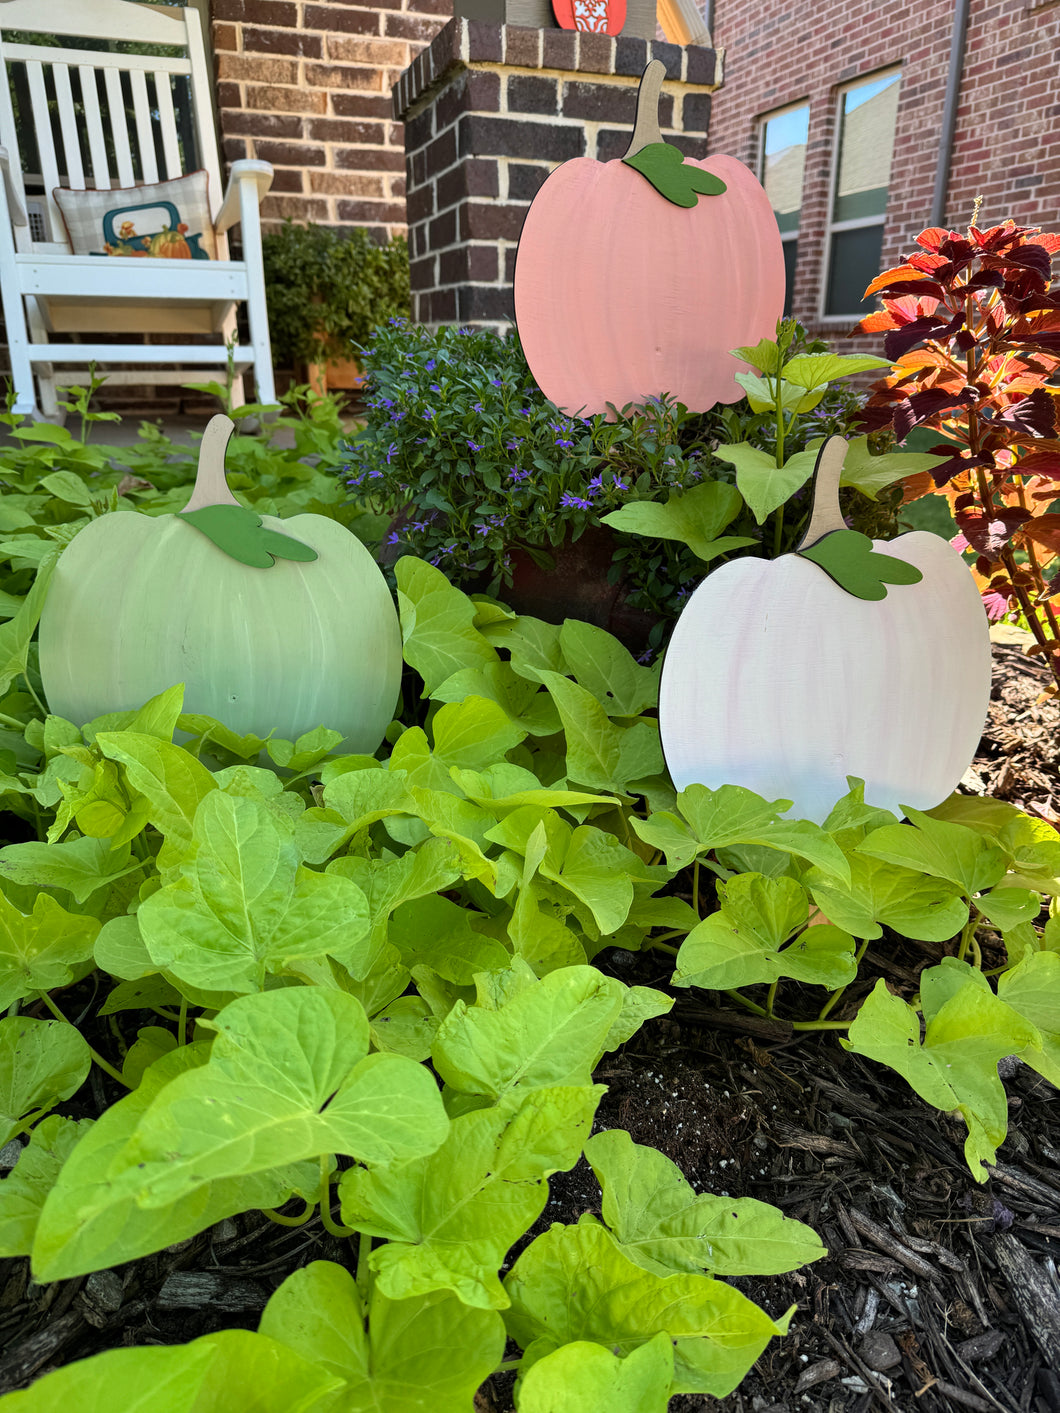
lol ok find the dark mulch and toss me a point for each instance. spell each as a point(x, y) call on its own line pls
point(938, 1294)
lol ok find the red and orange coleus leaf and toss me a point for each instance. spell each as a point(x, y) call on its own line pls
point(1044, 530)
point(990, 535)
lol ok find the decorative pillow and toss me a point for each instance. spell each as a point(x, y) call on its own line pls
point(168, 219)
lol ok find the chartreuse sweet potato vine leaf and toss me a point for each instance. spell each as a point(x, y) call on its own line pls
point(90, 1219)
point(680, 182)
point(928, 909)
point(426, 1354)
point(574, 1283)
point(41, 1063)
point(80, 866)
point(968, 1031)
point(451, 1218)
point(23, 1193)
point(241, 534)
point(1032, 989)
point(214, 1374)
point(586, 1378)
point(245, 906)
point(730, 816)
point(695, 518)
point(744, 941)
point(437, 625)
point(944, 850)
point(41, 951)
point(848, 557)
point(169, 778)
point(663, 1225)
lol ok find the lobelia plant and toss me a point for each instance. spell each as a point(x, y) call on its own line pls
point(971, 323)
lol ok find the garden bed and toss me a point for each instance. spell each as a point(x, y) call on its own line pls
point(937, 1293)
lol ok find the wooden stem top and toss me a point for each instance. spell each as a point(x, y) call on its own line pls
point(826, 515)
point(211, 487)
point(646, 128)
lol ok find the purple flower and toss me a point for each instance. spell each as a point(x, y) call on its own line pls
point(618, 484)
point(473, 446)
point(515, 474)
point(561, 441)
point(435, 387)
point(646, 656)
point(596, 484)
point(390, 452)
point(430, 365)
point(573, 502)
point(514, 444)
point(477, 407)
point(418, 525)
point(496, 382)
point(393, 538)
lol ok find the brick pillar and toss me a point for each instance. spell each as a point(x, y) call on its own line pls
point(489, 111)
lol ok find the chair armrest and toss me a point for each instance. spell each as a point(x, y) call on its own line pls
point(246, 171)
point(14, 201)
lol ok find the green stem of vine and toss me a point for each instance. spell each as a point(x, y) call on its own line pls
point(182, 1025)
point(837, 996)
point(96, 1056)
point(751, 1005)
point(364, 1273)
point(330, 1224)
point(968, 934)
point(282, 1221)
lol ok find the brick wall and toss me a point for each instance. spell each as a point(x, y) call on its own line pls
point(489, 111)
point(306, 86)
point(1008, 123)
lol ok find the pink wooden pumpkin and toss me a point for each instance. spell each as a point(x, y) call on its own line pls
point(636, 277)
point(593, 16)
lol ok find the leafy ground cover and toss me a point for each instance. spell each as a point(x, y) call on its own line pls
point(373, 1006)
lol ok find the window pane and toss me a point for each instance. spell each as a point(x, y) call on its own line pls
point(790, 251)
point(866, 145)
point(854, 264)
point(783, 162)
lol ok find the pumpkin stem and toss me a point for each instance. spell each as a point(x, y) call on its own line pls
point(646, 128)
point(211, 488)
point(826, 515)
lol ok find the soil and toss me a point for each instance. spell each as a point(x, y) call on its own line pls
point(938, 1294)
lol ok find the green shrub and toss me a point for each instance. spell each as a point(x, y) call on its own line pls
point(328, 288)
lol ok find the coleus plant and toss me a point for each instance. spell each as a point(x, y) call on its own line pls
point(971, 323)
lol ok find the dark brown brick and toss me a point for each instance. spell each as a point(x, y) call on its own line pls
point(481, 263)
point(418, 241)
point(596, 54)
point(291, 154)
point(631, 55)
point(281, 41)
point(529, 93)
point(442, 151)
point(420, 204)
point(417, 163)
point(441, 306)
point(671, 55)
point(263, 125)
point(369, 159)
point(559, 49)
point(234, 149)
point(422, 273)
point(225, 37)
point(481, 177)
point(418, 130)
point(299, 208)
point(332, 17)
point(227, 10)
point(358, 212)
point(348, 130)
point(489, 220)
point(483, 91)
point(452, 186)
point(600, 103)
point(509, 263)
point(360, 105)
point(397, 186)
point(485, 302)
point(485, 42)
point(525, 182)
point(453, 266)
point(287, 179)
point(451, 101)
point(271, 12)
point(229, 95)
point(442, 230)
point(522, 47)
point(700, 64)
point(418, 29)
point(696, 112)
point(508, 137)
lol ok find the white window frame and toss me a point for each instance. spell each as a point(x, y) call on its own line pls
point(764, 119)
point(860, 222)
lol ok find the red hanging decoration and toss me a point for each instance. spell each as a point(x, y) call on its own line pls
point(592, 16)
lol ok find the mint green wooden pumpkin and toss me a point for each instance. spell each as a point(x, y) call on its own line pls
point(263, 642)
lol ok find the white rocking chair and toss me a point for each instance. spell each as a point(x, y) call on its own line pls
point(87, 121)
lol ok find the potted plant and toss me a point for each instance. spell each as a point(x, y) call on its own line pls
point(327, 289)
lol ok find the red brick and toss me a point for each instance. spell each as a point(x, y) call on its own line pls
point(281, 41)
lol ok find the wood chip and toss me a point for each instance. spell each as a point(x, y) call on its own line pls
point(1033, 1292)
point(191, 1290)
point(818, 1373)
point(882, 1238)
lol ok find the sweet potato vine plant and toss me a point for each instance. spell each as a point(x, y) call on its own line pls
point(973, 327)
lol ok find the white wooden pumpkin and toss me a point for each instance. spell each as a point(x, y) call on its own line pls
point(778, 679)
point(139, 603)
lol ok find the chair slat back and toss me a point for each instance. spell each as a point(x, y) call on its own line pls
point(85, 117)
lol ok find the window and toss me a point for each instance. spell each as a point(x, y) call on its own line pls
point(867, 113)
point(782, 160)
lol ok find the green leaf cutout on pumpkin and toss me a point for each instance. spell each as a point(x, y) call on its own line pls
point(679, 181)
point(241, 534)
point(847, 557)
